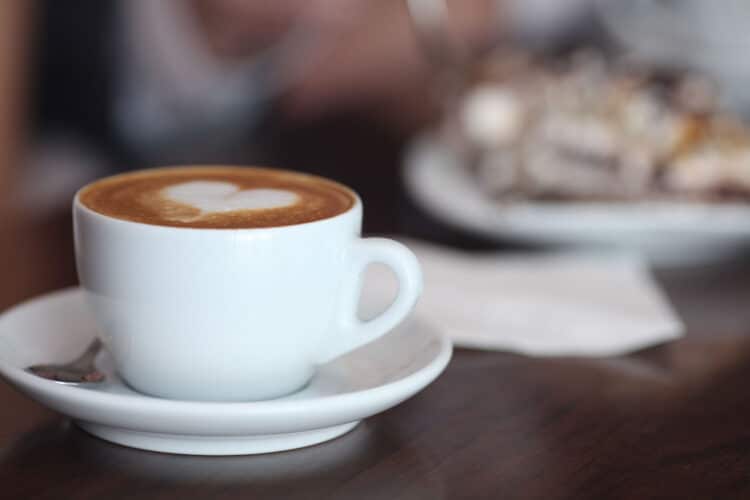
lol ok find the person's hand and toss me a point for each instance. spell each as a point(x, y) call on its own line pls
point(364, 53)
point(371, 62)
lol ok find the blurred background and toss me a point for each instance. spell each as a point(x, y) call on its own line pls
point(367, 92)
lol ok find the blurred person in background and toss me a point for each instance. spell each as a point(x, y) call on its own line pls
point(130, 84)
point(122, 85)
point(334, 87)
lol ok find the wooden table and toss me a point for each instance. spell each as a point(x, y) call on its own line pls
point(669, 422)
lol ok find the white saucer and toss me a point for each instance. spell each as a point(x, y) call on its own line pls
point(57, 326)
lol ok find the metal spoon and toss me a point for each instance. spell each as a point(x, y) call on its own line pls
point(80, 370)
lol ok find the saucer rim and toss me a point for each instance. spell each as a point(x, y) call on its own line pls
point(277, 407)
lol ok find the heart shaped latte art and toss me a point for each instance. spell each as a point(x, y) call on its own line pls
point(216, 196)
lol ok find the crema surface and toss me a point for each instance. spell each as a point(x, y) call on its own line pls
point(217, 197)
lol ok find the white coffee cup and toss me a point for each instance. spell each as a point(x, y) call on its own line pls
point(233, 314)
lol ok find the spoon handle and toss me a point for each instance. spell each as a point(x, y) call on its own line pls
point(86, 359)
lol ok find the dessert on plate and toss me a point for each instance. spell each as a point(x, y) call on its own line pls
point(591, 130)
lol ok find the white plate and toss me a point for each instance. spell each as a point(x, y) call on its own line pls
point(57, 326)
point(667, 233)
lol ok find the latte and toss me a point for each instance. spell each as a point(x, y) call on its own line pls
point(217, 197)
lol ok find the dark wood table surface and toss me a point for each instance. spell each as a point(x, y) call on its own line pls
point(669, 422)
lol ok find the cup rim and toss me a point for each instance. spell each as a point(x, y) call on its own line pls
point(78, 204)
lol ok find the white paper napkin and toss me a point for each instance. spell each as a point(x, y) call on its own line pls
point(537, 304)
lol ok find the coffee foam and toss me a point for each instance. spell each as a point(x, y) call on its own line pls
point(214, 196)
point(217, 197)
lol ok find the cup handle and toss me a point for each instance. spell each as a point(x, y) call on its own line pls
point(353, 332)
